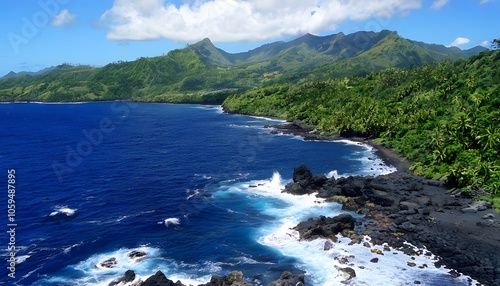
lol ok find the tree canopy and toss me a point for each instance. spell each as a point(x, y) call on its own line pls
point(445, 117)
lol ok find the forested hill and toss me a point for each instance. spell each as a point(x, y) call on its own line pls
point(443, 117)
point(203, 73)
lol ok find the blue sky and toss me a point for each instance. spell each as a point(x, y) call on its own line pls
point(36, 34)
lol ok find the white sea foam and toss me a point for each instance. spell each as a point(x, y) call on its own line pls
point(63, 210)
point(333, 174)
point(22, 258)
point(217, 108)
point(195, 193)
point(248, 260)
point(392, 268)
point(372, 164)
point(67, 250)
point(170, 221)
point(247, 126)
point(91, 273)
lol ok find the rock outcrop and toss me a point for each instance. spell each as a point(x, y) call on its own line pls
point(159, 279)
point(304, 182)
point(401, 207)
point(325, 227)
point(289, 279)
point(129, 276)
point(235, 278)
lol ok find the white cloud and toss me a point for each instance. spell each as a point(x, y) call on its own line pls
point(438, 4)
point(459, 41)
point(64, 18)
point(241, 20)
point(484, 1)
point(486, 44)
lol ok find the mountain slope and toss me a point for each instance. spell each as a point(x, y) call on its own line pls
point(314, 51)
point(201, 69)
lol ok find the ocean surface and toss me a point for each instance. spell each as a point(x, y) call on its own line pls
point(197, 190)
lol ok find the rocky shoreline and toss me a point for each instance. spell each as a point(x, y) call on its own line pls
point(235, 278)
point(402, 207)
point(398, 208)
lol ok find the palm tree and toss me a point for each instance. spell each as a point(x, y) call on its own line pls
point(490, 138)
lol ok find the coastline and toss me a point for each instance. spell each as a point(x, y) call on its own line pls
point(464, 234)
point(387, 155)
point(390, 157)
point(422, 213)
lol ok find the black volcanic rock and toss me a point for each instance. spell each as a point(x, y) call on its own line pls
point(304, 182)
point(402, 207)
point(159, 279)
point(128, 277)
point(325, 227)
point(347, 273)
point(302, 175)
point(289, 279)
point(235, 278)
point(109, 263)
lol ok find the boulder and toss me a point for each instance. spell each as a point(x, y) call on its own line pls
point(489, 216)
point(481, 205)
point(302, 175)
point(295, 189)
point(108, 263)
point(381, 198)
point(485, 223)
point(304, 182)
point(346, 273)
point(325, 227)
point(159, 279)
point(289, 279)
point(476, 206)
point(328, 245)
point(235, 278)
point(352, 186)
point(469, 210)
point(136, 254)
point(129, 276)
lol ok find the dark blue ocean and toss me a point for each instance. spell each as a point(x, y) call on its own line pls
point(197, 190)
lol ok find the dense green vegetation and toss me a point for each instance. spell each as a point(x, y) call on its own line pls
point(443, 117)
point(201, 73)
point(179, 76)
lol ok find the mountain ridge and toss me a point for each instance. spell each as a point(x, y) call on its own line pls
point(201, 70)
point(339, 46)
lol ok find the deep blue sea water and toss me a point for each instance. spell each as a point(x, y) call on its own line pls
point(196, 189)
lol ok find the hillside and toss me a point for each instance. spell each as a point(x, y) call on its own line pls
point(443, 117)
point(204, 73)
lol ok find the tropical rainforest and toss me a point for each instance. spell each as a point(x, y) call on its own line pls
point(445, 118)
point(437, 106)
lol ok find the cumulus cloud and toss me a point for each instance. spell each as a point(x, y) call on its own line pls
point(438, 4)
point(241, 20)
point(486, 44)
point(459, 41)
point(64, 18)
